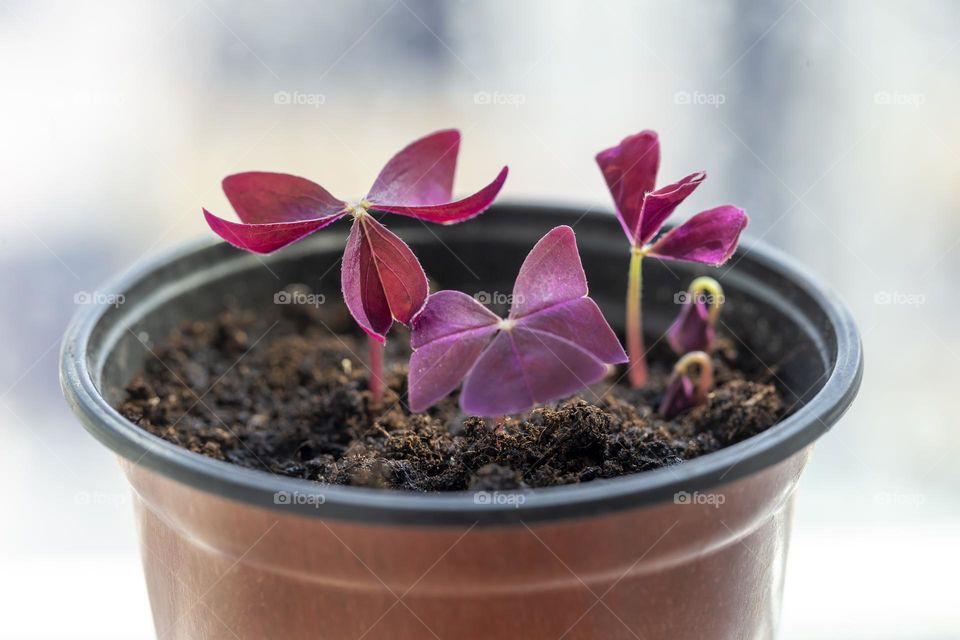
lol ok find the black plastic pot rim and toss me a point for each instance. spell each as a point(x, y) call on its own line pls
point(596, 497)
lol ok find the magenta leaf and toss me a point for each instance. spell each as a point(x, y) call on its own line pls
point(268, 237)
point(260, 197)
point(450, 314)
point(447, 339)
point(550, 274)
point(452, 212)
point(581, 322)
point(677, 397)
point(659, 204)
point(554, 342)
point(421, 173)
point(709, 237)
point(522, 368)
point(692, 330)
point(381, 278)
point(630, 170)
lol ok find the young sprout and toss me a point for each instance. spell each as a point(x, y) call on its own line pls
point(710, 237)
point(681, 394)
point(694, 328)
point(553, 343)
point(381, 278)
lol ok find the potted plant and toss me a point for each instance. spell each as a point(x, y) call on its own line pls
point(285, 486)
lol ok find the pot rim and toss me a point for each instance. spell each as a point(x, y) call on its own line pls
point(261, 488)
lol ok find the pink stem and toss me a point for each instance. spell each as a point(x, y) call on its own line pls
point(376, 371)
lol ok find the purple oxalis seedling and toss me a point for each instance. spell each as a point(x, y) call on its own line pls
point(681, 394)
point(382, 279)
point(710, 237)
point(554, 342)
point(694, 328)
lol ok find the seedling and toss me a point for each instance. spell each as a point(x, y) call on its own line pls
point(382, 279)
point(710, 237)
point(694, 328)
point(554, 342)
point(681, 394)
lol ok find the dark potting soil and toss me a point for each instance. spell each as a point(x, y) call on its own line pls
point(290, 397)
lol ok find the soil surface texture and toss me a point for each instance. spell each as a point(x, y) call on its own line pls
point(289, 396)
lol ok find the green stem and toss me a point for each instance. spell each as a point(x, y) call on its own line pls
point(376, 372)
point(635, 348)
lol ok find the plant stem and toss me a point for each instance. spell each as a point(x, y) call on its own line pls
point(376, 371)
point(635, 348)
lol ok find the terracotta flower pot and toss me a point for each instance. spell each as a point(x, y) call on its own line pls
point(692, 551)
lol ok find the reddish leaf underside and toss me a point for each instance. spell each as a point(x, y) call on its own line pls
point(451, 212)
point(710, 237)
point(421, 173)
point(660, 204)
point(382, 280)
point(630, 170)
point(259, 197)
point(265, 238)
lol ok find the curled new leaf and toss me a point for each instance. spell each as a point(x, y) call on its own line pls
point(553, 343)
point(693, 329)
point(381, 278)
point(681, 393)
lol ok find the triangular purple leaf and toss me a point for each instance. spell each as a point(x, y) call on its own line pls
point(710, 237)
point(555, 342)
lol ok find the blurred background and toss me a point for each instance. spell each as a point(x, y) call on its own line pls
point(829, 122)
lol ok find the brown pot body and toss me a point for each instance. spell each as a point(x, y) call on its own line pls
point(701, 566)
